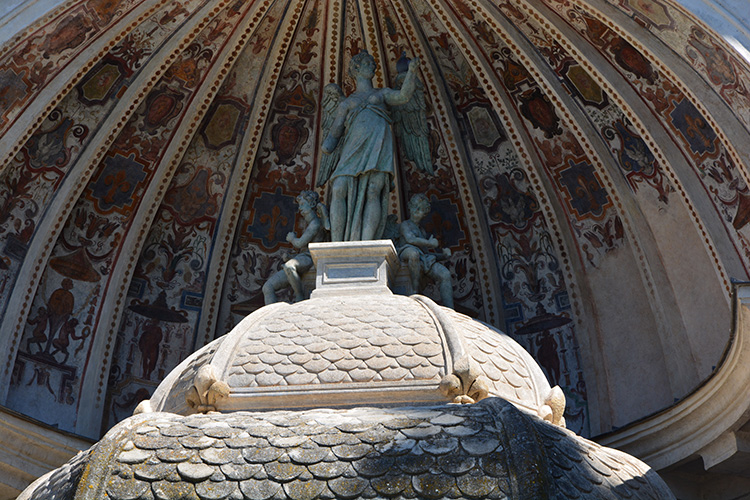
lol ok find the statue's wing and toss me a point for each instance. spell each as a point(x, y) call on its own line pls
point(332, 96)
point(410, 123)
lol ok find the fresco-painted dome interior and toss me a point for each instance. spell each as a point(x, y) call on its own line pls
point(590, 178)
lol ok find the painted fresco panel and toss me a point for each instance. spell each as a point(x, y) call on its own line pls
point(448, 220)
point(58, 41)
point(91, 242)
point(35, 174)
point(700, 47)
point(283, 167)
point(537, 310)
point(172, 268)
point(591, 212)
point(703, 150)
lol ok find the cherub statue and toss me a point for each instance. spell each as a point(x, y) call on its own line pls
point(316, 217)
point(358, 160)
point(413, 249)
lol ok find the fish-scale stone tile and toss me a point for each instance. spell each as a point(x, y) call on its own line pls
point(122, 489)
point(334, 354)
point(215, 490)
point(336, 337)
point(393, 374)
point(154, 472)
point(452, 451)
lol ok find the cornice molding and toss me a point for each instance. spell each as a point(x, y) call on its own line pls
point(719, 405)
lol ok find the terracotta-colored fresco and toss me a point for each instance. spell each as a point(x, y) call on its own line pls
point(32, 62)
point(699, 46)
point(168, 286)
point(636, 161)
point(537, 311)
point(93, 235)
point(702, 148)
point(448, 219)
point(143, 210)
point(283, 167)
point(591, 212)
point(34, 178)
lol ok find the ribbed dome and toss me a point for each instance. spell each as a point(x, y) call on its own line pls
point(590, 163)
point(383, 349)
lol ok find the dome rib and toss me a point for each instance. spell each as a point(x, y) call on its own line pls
point(50, 225)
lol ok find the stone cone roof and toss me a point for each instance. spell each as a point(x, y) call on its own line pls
point(351, 351)
point(278, 409)
point(486, 450)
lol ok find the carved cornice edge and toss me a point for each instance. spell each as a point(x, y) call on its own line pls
point(719, 405)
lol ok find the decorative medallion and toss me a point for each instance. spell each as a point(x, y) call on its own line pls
point(539, 111)
point(224, 124)
point(288, 135)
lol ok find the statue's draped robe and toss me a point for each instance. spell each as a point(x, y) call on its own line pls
point(367, 148)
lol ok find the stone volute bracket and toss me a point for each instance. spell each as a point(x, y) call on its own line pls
point(207, 390)
point(465, 383)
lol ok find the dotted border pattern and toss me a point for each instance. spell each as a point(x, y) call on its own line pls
point(645, 135)
point(166, 179)
point(644, 268)
point(37, 25)
point(257, 124)
point(742, 167)
point(528, 164)
point(730, 52)
point(471, 213)
point(102, 149)
point(31, 128)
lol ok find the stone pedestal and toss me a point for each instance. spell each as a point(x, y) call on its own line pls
point(354, 267)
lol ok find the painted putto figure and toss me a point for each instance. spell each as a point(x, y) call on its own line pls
point(414, 247)
point(316, 217)
point(359, 155)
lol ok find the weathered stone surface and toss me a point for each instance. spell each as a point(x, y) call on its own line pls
point(168, 490)
point(364, 453)
point(432, 485)
point(261, 455)
point(134, 456)
point(215, 490)
point(283, 472)
point(221, 456)
point(121, 489)
point(194, 472)
point(259, 490)
point(342, 342)
point(304, 490)
point(328, 470)
point(174, 455)
point(153, 472)
point(309, 456)
point(345, 487)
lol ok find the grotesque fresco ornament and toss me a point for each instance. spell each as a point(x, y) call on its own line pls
point(537, 109)
point(241, 106)
point(289, 135)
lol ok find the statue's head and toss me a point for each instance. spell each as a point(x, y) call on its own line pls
point(419, 202)
point(362, 64)
point(311, 198)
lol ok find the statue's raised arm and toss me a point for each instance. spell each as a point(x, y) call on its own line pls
point(403, 94)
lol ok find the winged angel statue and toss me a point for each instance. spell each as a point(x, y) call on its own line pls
point(358, 160)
